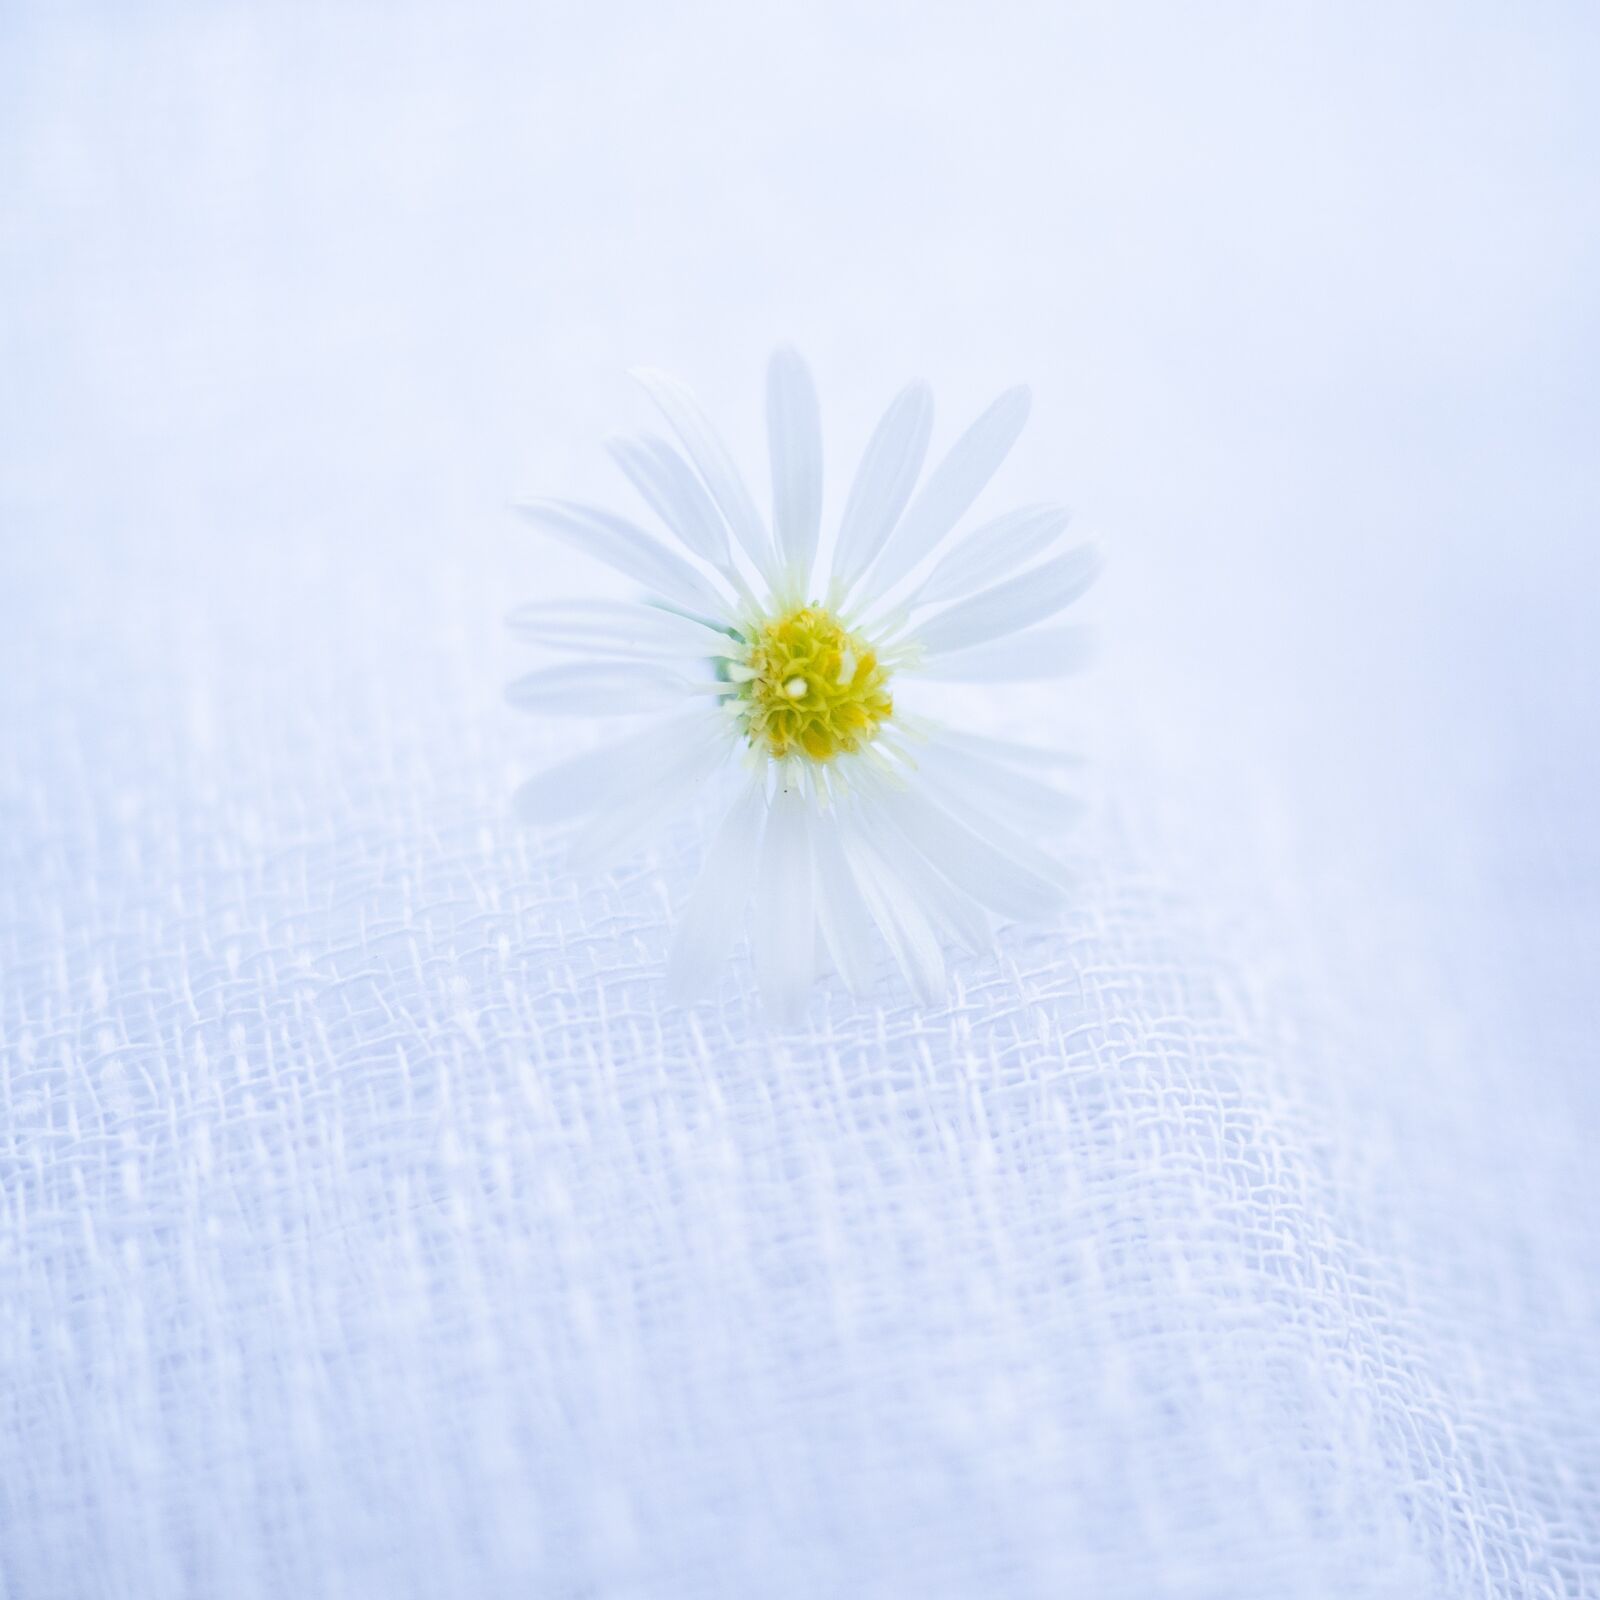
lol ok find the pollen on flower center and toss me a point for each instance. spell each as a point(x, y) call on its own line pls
point(809, 687)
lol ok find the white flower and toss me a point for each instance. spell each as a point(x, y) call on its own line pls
point(853, 816)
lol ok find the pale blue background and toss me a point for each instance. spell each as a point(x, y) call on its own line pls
point(368, 1226)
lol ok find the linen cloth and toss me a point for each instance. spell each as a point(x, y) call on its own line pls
point(369, 1222)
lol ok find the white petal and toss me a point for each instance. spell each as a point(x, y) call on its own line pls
point(902, 922)
point(960, 916)
point(991, 552)
point(616, 541)
point(583, 784)
point(982, 818)
point(884, 481)
point(1008, 751)
point(670, 488)
point(846, 922)
point(618, 628)
point(956, 482)
point(996, 791)
point(598, 688)
point(712, 461)
point(1018, 657)
point(794, 438)
point(974, 862)
point(786, 928)
point(619, 828)
point(710, 922)
point(1011, 606)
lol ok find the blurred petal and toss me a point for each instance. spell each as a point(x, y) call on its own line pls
point(900, 919)
point(641, 809)
point(997, 791)
point(620, 544)
point(583, 784)
point(785, 921)
point(846, 921)
point(956, 482)
point(618, 628)
point(884, 481)
point(1018, 657)
point(598, 688)
point(670, 488)
point(992, 551)
point(1010, 752)
point(794, 436)
point(1011, 606)
point(711, 921)
point(974, 860)
point(956, 912)
point(712, 461)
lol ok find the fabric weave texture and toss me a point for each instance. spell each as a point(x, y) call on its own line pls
point(373, 1225)
point(370, 1224)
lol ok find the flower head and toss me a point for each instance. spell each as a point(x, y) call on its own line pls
point(806, 686)
point(855, 817)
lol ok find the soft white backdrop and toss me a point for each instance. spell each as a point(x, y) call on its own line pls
point(369, 1226)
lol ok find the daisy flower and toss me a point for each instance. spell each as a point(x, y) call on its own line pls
point(854, 820)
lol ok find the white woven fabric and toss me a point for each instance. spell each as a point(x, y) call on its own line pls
point(368, 1224)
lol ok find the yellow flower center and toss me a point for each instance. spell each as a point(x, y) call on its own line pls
point(809, 687)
